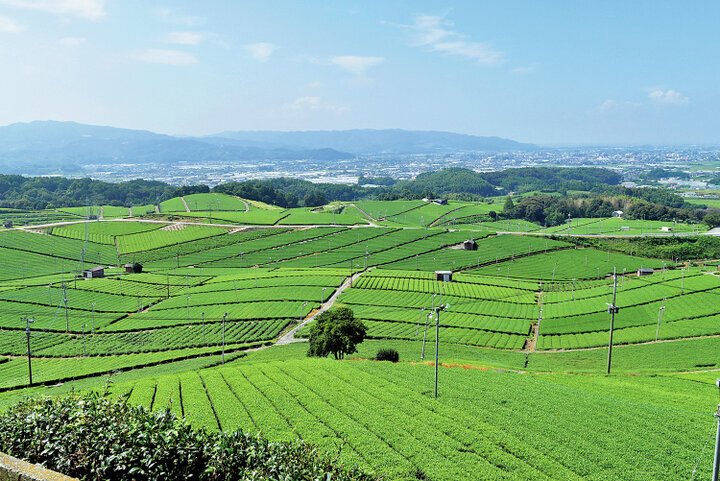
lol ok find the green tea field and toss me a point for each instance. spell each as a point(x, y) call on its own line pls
point(204, 305)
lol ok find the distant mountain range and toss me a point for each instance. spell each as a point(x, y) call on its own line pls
point(41, 145)
point(368, 141)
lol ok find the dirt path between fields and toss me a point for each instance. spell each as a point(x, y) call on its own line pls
point(289, 337)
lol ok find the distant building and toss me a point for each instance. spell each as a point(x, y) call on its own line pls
point(443, 276)
point(625, 228)
point(470, 245)
point(131, 268)
point(436, 201)
point(617, 213)
point(7, 224)
point(645, 271)
point(94, 272)
point(666, 228)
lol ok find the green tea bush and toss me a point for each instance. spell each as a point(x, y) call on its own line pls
point(91, 437)
point(384, 354)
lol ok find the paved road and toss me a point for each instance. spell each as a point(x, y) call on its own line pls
point(289, 337)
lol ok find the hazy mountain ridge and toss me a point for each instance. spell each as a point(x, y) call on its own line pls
point(50, 143)
point(44, 145)
point(365, 141)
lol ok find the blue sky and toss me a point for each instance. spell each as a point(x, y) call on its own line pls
point(550, 72)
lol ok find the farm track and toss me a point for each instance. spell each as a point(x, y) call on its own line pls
point(433, 223)
point(187, 207)
point(289, 337)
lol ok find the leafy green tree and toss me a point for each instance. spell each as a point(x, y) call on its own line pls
point(712, 220)
point(509, 205)
point(336, 331)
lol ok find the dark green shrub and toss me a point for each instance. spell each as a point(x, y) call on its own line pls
point(91, 438)
point(387, 355)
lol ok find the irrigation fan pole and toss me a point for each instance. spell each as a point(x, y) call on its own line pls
point(223, 329)
point(27, 334)
point(437, 342)
point(612, 309)
point(660, 316)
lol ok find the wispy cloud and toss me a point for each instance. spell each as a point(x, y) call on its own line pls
point(183, 38)
point(668, 97)
point(8, 25)
point(89, 9)
point(72, 41)
point(261, 51)
point(356, 65)
point(611, 105)
point(436, 34)
point(311, 103)
point(172, 15)
point(165, 57)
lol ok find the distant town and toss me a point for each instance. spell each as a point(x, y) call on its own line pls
point(700, 164)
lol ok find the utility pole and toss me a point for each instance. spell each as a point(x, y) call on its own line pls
point(437, 343)
point(84, 351)
point(93, 317)
point(29, 353)
point(660, 316)
point(612, 309)
point(223, 337)
point(65, 301)
point(417, 331)
point(427, 321)
point(682, 283)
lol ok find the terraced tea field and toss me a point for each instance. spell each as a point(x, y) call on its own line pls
point(521, 315)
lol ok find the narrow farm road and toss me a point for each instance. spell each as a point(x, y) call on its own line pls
point(187, 207)
point(289, 337)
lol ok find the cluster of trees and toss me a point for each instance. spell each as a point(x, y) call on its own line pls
point(555, 210)
point(670, 247)
point(32, 193)
point(287, 192)
point(191, 189)
point(658, 173)
point(384, 180)
point(443, 182)
point(551, 179)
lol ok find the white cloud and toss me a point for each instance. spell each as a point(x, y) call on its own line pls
point(610, 105)
point(435, 34)
point(173, 16)
point(183, 38)
point(607, 105)
point(165, 57)
point(356, 65)
point(8, 25)
point(89, 9)
point(72, 41)
point(311, 103)
point(523, 70)
point(668, 97)
point(260, 51)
